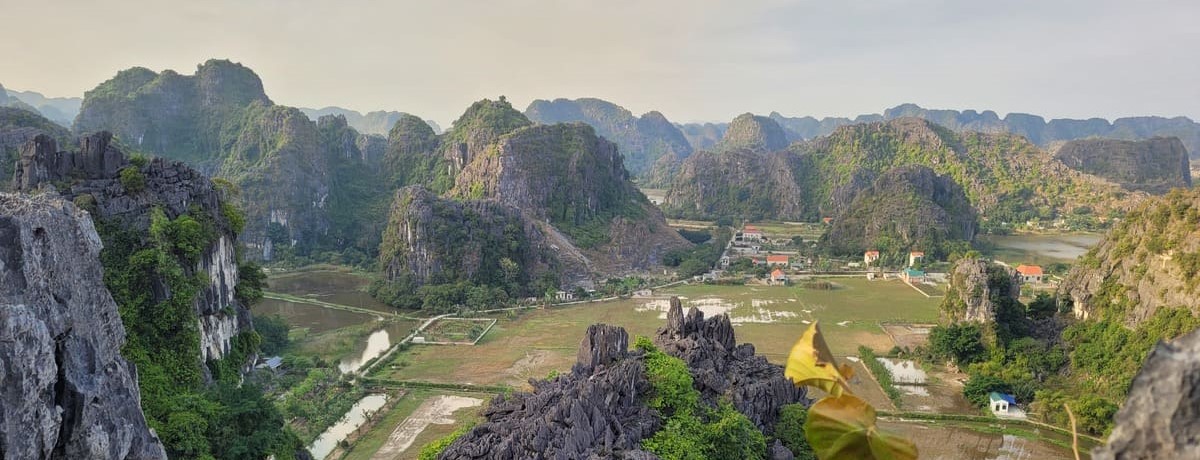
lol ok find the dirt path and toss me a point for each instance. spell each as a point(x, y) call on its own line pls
point(435, 410)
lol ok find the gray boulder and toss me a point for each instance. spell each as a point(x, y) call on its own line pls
point(65, 390)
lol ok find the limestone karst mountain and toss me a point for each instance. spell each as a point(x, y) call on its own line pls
point(1006, 178)
point(551, 200)
point(642, 140)
point(1154, 165)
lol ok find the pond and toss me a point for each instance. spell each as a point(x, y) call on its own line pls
point(327, 441)
point(1042, 249)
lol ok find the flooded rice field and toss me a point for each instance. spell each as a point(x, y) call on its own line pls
point(358, 414)
point(1042, 248)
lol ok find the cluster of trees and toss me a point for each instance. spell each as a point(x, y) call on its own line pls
point(194, 420)
point(700, 258)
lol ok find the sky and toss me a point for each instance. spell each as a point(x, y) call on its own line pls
point(694, 60)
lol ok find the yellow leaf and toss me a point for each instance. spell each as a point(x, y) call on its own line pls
point(811, 363)
point(843, 428)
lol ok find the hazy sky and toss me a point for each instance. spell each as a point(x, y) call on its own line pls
point(692, 60)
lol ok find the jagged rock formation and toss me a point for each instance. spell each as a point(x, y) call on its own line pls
point(642, 140)
point(1154, 165)
point(753, 132)
point(909, 205)
point(721, 367)
point(1148, 261)
point(379, 122)
point(67, 391)
point(91, 177)
point(976, 290)
point(18, 126)
point(599, 409)
point(1159, 419)
point(1005, 177)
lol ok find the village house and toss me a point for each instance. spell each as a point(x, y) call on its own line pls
point(827, 220)
point(778, 260)
point(1001, 403)
point(870, 257)
point(751, 233)
point(778, 278)
point(564, 296)
point(912, 275)
point(1030, 273)
point(915, 256)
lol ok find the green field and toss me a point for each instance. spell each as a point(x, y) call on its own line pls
point(370, 442)
point(537, 342)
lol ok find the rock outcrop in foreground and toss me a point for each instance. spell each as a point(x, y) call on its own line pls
point(976, 289)
point(66, 392)
point(1161, 417)
point(91, 176)
point(599, 410)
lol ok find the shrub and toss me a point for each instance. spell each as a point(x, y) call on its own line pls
point(132, 179)
point(790, 431)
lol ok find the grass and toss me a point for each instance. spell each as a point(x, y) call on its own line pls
point(332, 346)
point(882, 375)
point(539, 341)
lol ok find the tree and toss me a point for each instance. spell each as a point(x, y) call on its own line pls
point(1043, 306)
point(961, 343)
point(978, 387)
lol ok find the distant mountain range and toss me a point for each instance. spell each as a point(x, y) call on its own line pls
point(377, 122)
point(61, 110)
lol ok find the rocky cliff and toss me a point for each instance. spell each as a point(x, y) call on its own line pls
point(550, 198)
point(568, 177)
point(67, 391)
point(754, 133)
point(601, 408)
point(1154, 165)
point(908, 207)
point(434, 240)
point(642, 140)
point(18, 126)
point(741, 183)
point(92, 178)
point(1149, 261)
point(978, 289)
point(1158, 419)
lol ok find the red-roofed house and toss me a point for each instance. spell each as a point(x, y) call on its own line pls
point(1030, 273)
point(870, 257)
point(827, 220)
point(778, 260)
point(777, 277)
point(914, 256)
point(751, 233)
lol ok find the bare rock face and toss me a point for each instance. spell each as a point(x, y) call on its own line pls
point(976, 286)
point(722, 368)
point(599, 410)
point(1146, 260)
point(65, 390)
point(1153, 165)
point(1161, 418)
point(90, 176)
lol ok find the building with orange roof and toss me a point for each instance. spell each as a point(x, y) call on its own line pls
point(777, 277)
point(778, 260)
point(914, 256)
point(1030, 273)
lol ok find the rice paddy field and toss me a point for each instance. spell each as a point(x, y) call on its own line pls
point(534, 343)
